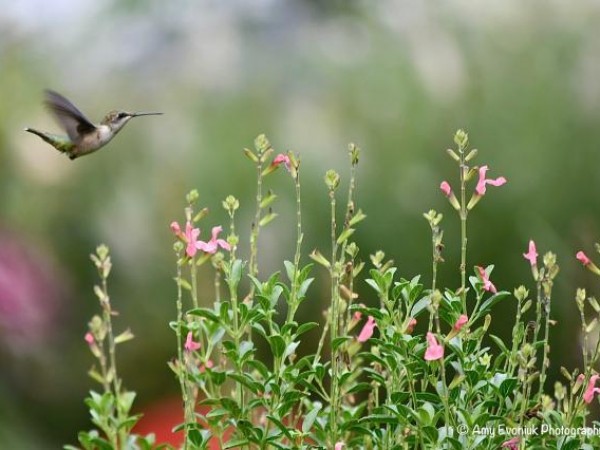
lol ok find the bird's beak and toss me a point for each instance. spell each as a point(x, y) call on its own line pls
point(137, 114)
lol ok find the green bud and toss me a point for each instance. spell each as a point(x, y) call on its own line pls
point(231, 204)
point(352, 250)
point(261, 144)
point(332, 180)
point(178, 247)
point(318, 257)
point(565, 373)
point(201, 215)
point(102, 252)
point(472, 154)
point(354, 152)
point(377, 258)
point(461, 138)
point(594, 304)
point(250, 155)
point(453, 154)
point(192, 196)
point(521, 293)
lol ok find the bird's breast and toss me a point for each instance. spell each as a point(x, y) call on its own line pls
point(96, 139)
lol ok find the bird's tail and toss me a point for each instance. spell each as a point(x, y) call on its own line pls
point(41, 134)
point(60, 143)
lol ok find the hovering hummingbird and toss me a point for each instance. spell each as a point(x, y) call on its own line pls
point(83, 137)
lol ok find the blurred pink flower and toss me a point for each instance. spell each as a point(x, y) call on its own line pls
point(176, 229)
point(591, 389)
point(282, 158)
point(487, 284)
point(190, 345)
point(434, 350)
point(209, 365)
point(411, 325)
point(367, 330)
point(89, 338)
point(212, 245)
point(462, 320)
point(583, 259)
point(190, 237)
point(33, 290)
point(445, 188)
point(483, 181)
point(512, 443)
point(339, 445)
point(532, 254)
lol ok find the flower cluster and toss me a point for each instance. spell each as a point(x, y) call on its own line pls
point(191, 235)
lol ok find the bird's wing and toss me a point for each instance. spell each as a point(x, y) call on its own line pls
point(69, 117)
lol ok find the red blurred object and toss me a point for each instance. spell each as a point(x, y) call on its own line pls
point(160, 419)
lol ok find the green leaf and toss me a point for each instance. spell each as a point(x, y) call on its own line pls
point(304, 287)
point(310, 418)
point(277, 344)
point(338, 342)
point(306, 327)
point(359, 387)
point(289, 270)
point(419, 306)
point(290, 349)
point(487, 305)
point(206, 313)
point(279, 425)
point(235, 274)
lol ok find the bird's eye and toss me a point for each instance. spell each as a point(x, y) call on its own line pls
point(122, 115)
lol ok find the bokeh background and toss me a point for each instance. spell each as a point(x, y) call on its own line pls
point(395, 77)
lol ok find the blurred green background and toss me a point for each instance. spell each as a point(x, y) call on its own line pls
point(395, 77)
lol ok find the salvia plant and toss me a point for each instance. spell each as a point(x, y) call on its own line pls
point(412, 365)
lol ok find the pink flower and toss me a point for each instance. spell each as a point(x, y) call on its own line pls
point(281, 158)
point(583, 259)
point(483, 181)
point(212, 245)
point(446, 189)
point(176, 229)
point(89, 338)
point(209, 365)
point(512, 443)
point(487, 284)
point(532, 254)
point(190, 345)
point(434, 350)
point(411, 325)
point(462, 320)
point(367, 330)
point(190, 237)
point(339, 445)
point(591, 389)
point(357, 315)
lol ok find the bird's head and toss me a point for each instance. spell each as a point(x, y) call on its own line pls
point(117, 119)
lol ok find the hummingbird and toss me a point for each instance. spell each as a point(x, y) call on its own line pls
point(83, 137)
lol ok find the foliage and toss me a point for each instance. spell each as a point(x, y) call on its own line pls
point(423, 371)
